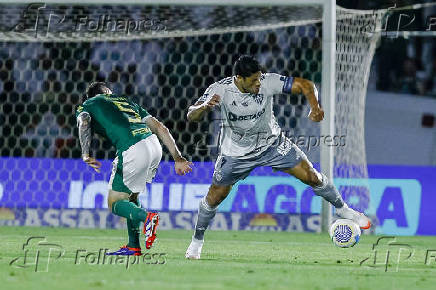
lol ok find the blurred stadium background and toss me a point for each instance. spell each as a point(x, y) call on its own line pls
point(43, 182)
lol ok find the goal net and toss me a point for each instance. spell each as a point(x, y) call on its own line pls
point(164, 57)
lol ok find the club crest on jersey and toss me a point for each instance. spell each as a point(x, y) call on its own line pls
point(218, 175)
point(284, 147)
point(258, 98)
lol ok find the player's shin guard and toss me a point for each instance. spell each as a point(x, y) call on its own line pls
point(133, 230)
point(205, 214)
point(328, 191)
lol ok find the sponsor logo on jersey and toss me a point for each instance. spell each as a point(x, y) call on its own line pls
point(234, 117)
point(141, 131)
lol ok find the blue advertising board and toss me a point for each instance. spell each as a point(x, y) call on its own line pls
point(402, 198)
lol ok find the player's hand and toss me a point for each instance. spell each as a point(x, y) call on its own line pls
point(316, 114)
point(213, 102)
point(183, 166)
point(94, 163)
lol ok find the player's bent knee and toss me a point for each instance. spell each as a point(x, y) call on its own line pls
point(217, 193)
point(115, 196)
point(134, 197)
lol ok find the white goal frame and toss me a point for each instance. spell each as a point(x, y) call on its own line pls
point(328, 62)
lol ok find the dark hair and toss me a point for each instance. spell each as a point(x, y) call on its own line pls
point(246, 65)
point(95, 89)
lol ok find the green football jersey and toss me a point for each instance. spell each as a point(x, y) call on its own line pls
point(117, 119)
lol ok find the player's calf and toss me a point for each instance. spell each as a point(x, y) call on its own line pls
point(131, 211)
point(305, 172)
point(208, 206)
point(329, 192)
point(217, 193)
point(206, 212)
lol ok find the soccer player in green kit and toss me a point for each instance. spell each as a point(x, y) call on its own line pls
point(134, 133)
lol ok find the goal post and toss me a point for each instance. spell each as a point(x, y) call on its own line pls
point(328, 90)
point(304, 16)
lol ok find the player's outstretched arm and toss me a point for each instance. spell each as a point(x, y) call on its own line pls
point(182, 166)
point(196, 112)
point(308, 89)
point(84, 124)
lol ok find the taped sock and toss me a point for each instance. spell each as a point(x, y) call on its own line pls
point(329, 192)
point(205, 214)
point(133, 230)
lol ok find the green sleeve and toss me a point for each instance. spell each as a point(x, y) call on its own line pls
point(142, 112)
point(85, 107)
point(80, 109)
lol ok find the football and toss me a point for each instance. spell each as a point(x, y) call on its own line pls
point(344, 233)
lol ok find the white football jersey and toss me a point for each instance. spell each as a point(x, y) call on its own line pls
point(248, 125)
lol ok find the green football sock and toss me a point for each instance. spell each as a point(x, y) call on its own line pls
point(133, 230)
point(129, 210)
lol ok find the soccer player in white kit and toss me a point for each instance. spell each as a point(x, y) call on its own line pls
point(250, 137)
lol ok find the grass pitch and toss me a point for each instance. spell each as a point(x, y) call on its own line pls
point(230, 260)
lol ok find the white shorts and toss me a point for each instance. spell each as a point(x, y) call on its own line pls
point(136, 166)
